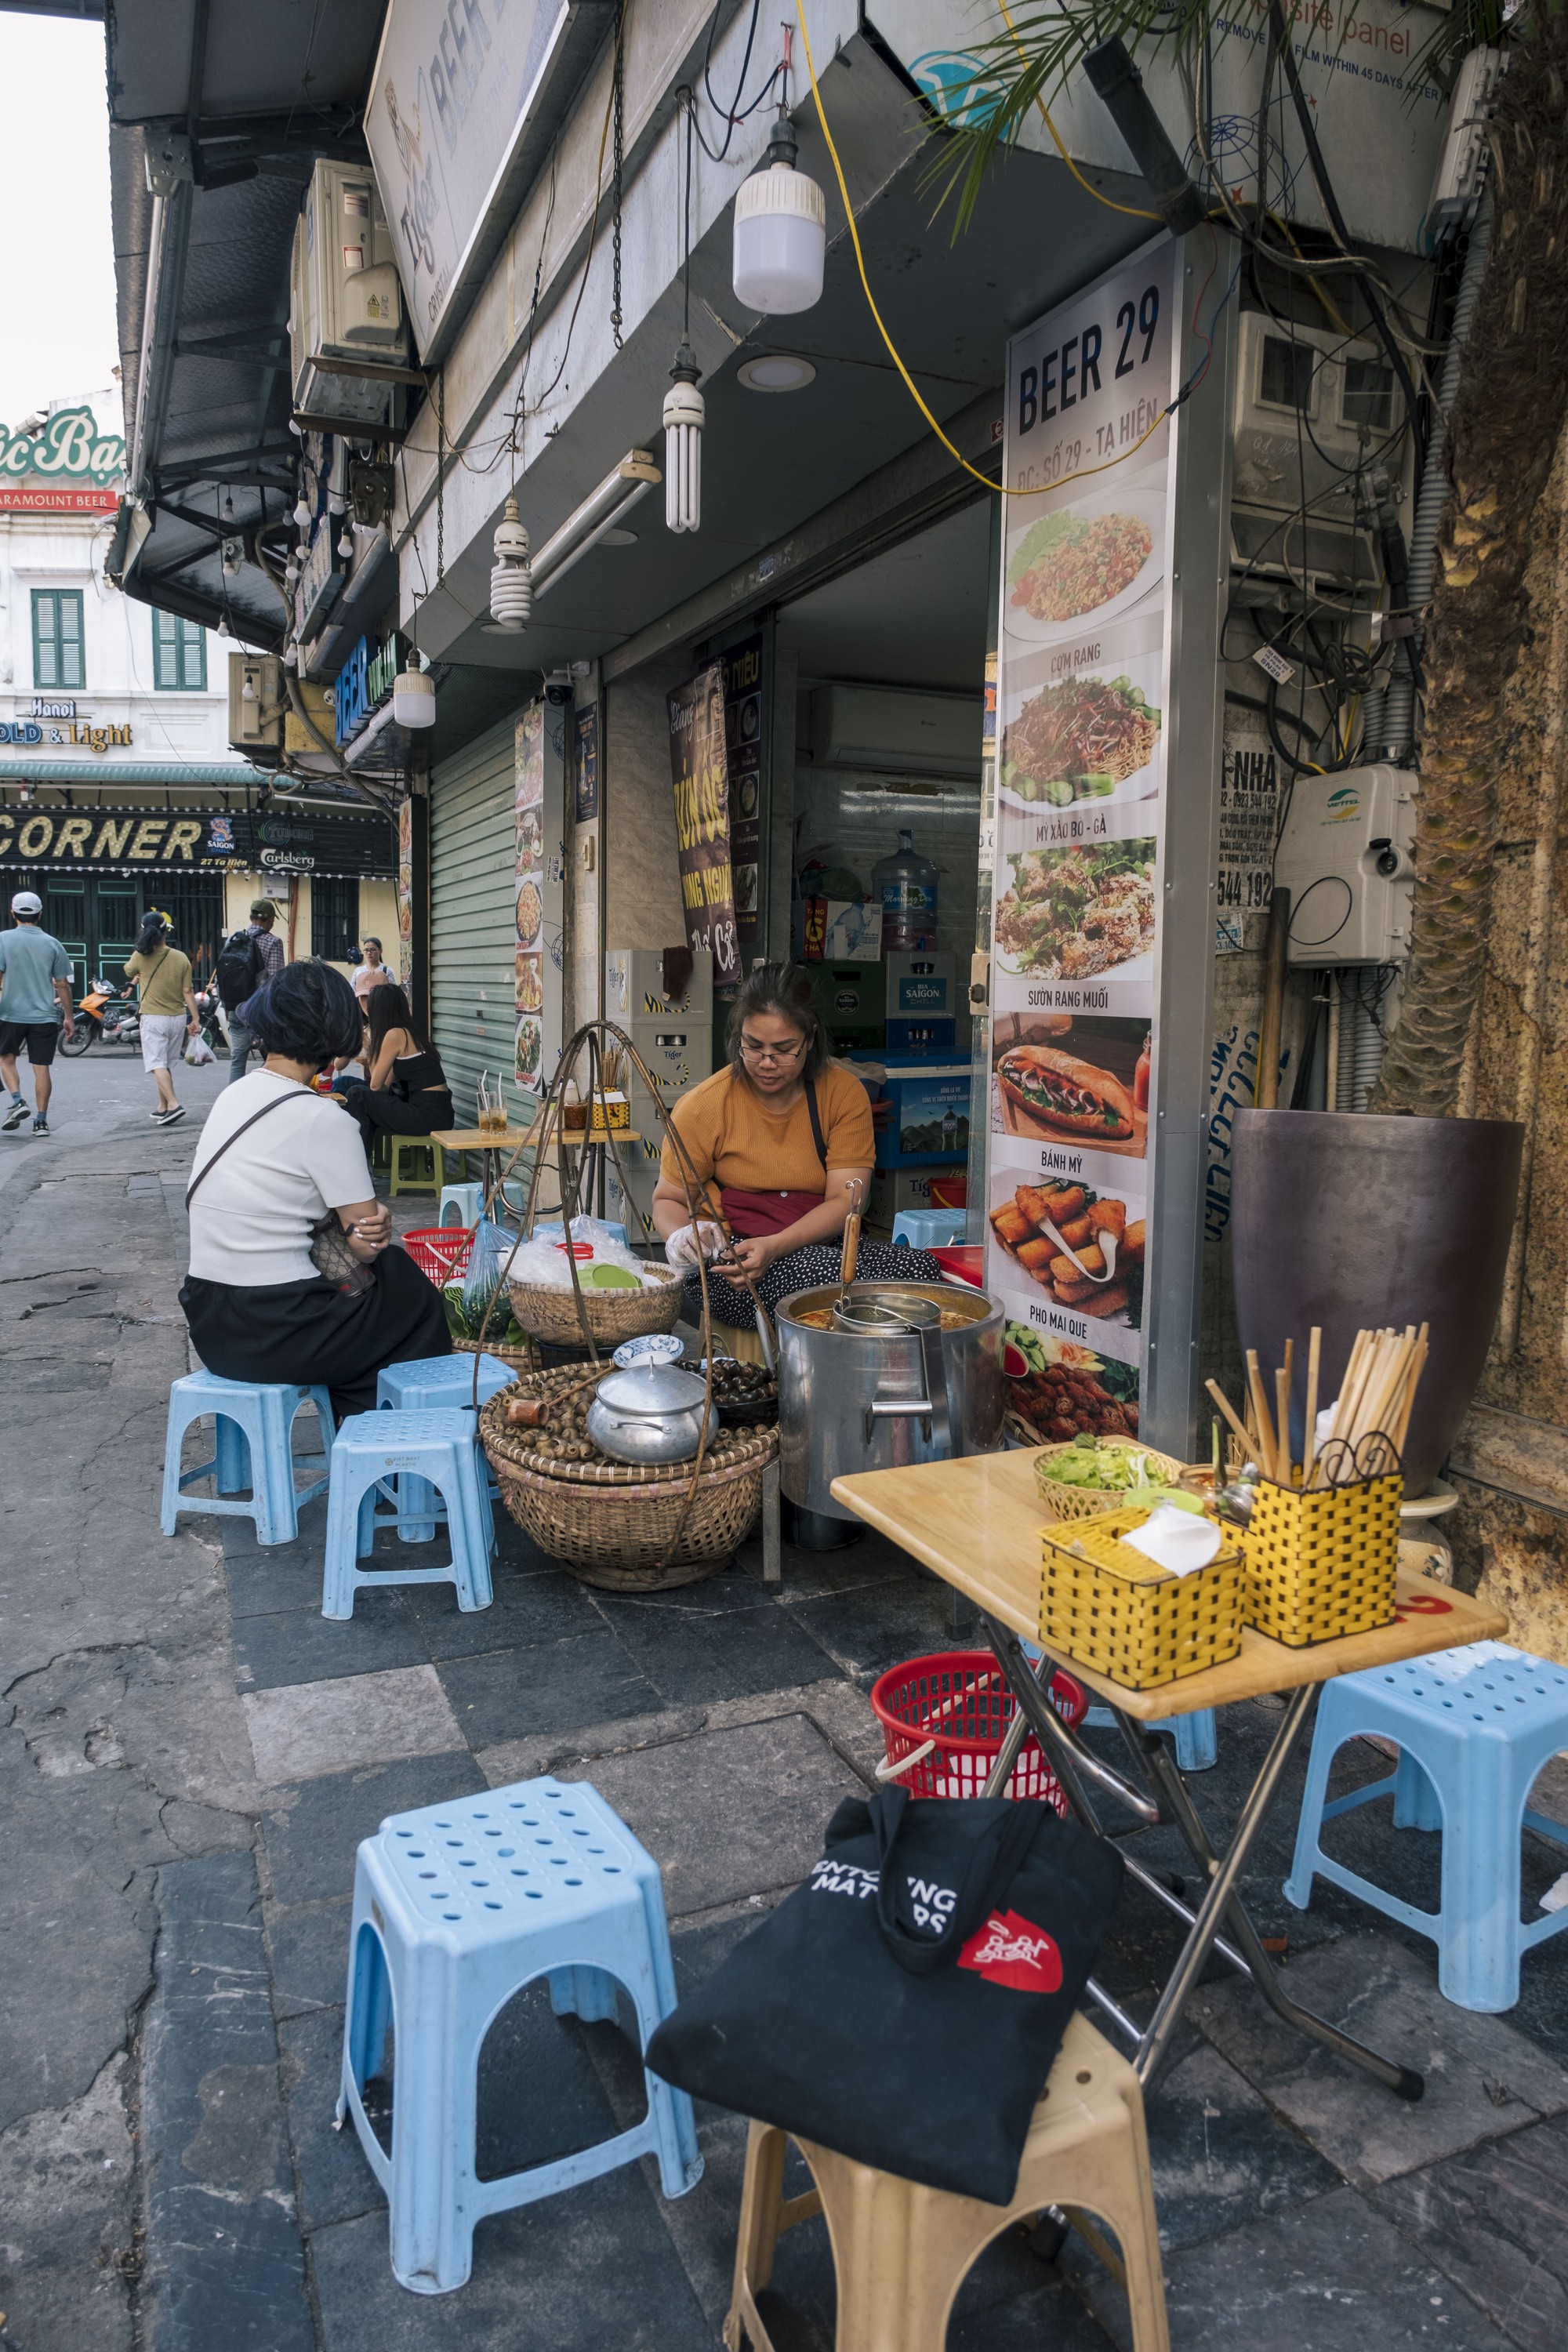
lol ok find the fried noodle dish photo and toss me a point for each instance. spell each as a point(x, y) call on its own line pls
point(1079, 739)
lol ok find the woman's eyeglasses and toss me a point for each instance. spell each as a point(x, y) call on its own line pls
point(754, 1050)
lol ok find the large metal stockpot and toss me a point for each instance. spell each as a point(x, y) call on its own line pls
point(852, 1401)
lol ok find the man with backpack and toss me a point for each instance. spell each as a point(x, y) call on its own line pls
point(246, 960)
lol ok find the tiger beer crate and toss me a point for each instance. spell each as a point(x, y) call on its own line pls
point(1321, 1564)
point(1104, 1606)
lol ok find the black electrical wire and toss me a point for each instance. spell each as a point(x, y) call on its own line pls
point(1336, 218)
point(734, 114)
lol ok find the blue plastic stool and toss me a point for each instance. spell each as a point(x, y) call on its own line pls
point(371, 1452)
point(928, 1228)
point(466, 1203)
point(1474, 1727)
point(429, 1384)
point(456, 1909)
point(1196, 1736)
point(253, 1432)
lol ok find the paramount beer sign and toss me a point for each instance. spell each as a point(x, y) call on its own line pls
point(69, 465)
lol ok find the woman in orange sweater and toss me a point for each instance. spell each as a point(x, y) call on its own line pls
point(777, 1140)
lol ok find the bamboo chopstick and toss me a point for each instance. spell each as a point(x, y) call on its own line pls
point(1282, 1404)
point(1231, 1415)
point(1309, 1443)
point(1268, 1450)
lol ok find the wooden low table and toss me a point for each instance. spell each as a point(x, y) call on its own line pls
point(497, 1145)
point(975, 1522)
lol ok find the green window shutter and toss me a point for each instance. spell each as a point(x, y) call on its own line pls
point(166, 652)
point(57, 658)
point(192, 656)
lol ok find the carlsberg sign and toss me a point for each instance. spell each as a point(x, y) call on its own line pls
point(71, 447)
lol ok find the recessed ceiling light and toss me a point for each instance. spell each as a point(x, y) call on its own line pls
point(776, 372)
point(617, 538)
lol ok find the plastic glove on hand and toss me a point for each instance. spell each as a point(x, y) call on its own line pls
point(691, 1243)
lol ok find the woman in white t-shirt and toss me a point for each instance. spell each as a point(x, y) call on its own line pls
point(274, 1158)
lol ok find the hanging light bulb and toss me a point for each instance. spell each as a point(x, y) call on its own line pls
point(413, 697)
point(302, 512)
point(685, 411)
point(223, 627)
point(290, 656)
point(247, 691)
point(780, 232)
point(290, 571)
point(228, 504)
point(346, 543)
point(511, 580)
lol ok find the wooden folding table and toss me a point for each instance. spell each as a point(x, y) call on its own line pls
point(976, 1523)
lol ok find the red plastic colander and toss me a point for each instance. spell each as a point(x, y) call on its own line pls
point(944, 1721)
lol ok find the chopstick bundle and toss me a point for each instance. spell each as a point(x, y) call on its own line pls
point(1376, 1397)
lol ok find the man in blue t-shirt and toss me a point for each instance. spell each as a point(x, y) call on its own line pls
point(34, 975)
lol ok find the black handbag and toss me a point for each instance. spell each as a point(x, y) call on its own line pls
point(904, 2007)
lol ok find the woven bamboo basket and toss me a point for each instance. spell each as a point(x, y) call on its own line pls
point(1064, 1501)
point(1104, 1606)
point(612, 1315)
point(1322, 1564)
point(520, 1359)
point(613, 1524)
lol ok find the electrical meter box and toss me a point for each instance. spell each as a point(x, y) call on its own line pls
point(345, 303)
point(257, 702)
point(634, 990)
point(1313, 410)
point(674, 1035)
point(1345, 858)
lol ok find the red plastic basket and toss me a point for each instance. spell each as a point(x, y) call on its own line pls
point(949, 1713)
point(965, 1261)
point(439, 1251)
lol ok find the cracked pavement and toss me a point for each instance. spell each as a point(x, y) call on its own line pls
point(122, 1744)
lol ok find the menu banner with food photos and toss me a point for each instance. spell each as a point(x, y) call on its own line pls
point(700, 771)
point(1084, 650)
point(528, 886)
point(743, 755)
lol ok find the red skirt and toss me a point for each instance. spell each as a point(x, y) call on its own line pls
point(766, 1212)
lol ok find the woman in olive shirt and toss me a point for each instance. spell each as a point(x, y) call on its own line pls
point(777, 1140)
point(162, 975)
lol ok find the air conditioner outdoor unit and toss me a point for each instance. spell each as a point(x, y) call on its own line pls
point(1344, 856)
point(256, 723)
point(890, 730)
point(345, 303)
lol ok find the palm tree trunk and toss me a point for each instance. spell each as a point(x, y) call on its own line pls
point(1503, 437)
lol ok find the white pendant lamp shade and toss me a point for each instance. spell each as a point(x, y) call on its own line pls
point(302, 514)
point(685, 411)
point(780, 234)
point(414, 698)
point(511, 580)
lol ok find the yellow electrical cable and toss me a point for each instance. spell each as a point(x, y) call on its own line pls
point(1000, 488)
point(1134, 212)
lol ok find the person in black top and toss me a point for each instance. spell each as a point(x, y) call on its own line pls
point(407, 1094)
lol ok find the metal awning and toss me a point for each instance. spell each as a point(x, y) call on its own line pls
point(232, 776)
point(226, 106)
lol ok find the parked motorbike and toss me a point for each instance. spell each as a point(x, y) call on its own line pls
point(211, 1014)
point(104, 1012)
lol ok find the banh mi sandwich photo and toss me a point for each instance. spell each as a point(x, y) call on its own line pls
point(1071, 1095)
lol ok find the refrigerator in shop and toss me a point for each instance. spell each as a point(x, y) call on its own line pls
point(674, 1037)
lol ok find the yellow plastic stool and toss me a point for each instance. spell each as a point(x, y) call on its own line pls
point(400, 1180)
point(901, 2252)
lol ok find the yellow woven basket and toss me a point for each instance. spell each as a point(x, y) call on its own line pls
point(1065, 1501)
point(1104, 1606)
point(1322, 1564)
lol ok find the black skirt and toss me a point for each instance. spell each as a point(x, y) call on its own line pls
point(311, 1333)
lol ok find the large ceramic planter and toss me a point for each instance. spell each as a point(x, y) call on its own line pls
point(1347, 1220)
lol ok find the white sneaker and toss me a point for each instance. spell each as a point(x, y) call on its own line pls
point(16, 1114)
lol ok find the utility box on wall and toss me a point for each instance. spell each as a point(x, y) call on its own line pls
point(345, 302)
point(1345, 857)
point(674, 1036)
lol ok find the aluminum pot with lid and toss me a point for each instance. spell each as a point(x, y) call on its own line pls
point(651, 1414)
point(879, 1382)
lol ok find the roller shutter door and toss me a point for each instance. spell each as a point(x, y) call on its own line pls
point(472, 922)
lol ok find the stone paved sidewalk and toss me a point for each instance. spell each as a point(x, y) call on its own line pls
point(189, 1753)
